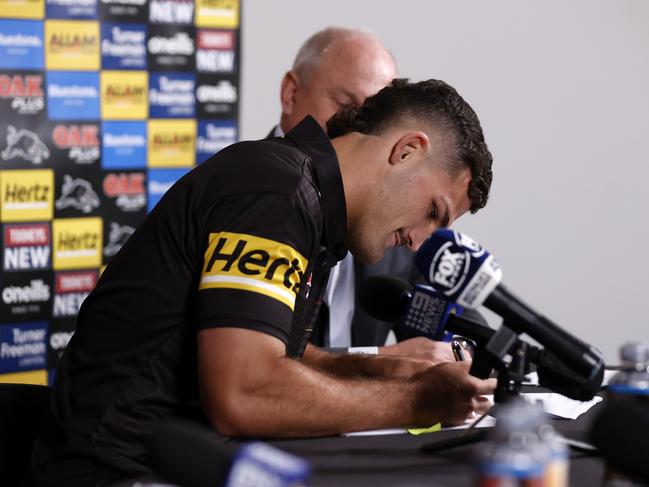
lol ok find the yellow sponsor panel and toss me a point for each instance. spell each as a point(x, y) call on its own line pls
point(255, 264)
point(124, 95)
point(26, 195)
point(217, 13)
point(72, 45)
point(22, 9)
point(77, 243)
point(171, 143)
point(38, 377)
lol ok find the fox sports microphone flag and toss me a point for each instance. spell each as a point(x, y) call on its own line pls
point(458, 267)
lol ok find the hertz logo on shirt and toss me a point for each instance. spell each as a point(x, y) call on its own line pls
point(259, 265)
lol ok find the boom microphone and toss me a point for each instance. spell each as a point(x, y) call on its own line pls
point(191, 455)
point(463, 271)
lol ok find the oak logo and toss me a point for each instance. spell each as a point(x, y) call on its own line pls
point(24, 144)
point(254, 264)
point(71, 288)
point(24, 91)
point(82, 141)
point(77, 243)
point(26, 247)
point(128, 189)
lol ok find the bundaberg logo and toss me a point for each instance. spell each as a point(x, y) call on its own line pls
point(255, 264)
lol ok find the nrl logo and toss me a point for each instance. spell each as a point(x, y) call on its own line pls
point(26, 145)
point(77, 193)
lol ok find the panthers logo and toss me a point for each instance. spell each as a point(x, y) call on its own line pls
point(26, 145)
point(77, 193)
point(117, 237)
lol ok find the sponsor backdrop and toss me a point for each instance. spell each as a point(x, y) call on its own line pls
point(104, 104)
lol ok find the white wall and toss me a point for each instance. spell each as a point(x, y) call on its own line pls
point(562, 90)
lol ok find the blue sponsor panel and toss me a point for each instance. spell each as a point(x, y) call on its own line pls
point(171, 95)
point(71, 9)
point(214, 135)
point(21, 44)
point(72, 95)
point(124, 145)
point(23, 346)
point(123, 46)
point(160, 180)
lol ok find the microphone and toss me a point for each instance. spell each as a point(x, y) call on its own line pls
point(419, 310)
point(621, 433)
point(191, 455)
point(463, 271)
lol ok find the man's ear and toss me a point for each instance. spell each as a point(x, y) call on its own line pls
point(408, 145)
point(288, 90)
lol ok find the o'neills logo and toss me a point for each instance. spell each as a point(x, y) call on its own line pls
point(179, 43)
point(449, 267)
point(180, 142)
point(36, 292)
point(81, 140)
point(61, 42)
point(222, 40)
point(127, 188)
point(71, 288)
point(27, 247)
point(24, 91)
point(253, 264)
point(132, 94)
point(222, 92)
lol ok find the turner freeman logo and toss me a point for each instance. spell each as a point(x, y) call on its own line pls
point(71, 289)
point(117, 237)
point(24, 144)
point(128, 189)
point(24, 91)
point(81, 140)
point(171, 95)
point(254, 264)
point(77, 193)
point(23, 346)
point(123, 46)
point(26, 247)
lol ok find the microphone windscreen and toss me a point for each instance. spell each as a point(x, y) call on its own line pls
point(621, 433)
point(383, 297)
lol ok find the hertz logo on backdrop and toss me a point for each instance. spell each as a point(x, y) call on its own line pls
point(72, 45)
point(23, 9)
point(124, 95)
point(172, 143)
point(77, 243)
point(27, 195)
point(217, 13)
point(255, 264)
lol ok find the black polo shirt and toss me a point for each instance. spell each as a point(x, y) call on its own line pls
point(244, 240)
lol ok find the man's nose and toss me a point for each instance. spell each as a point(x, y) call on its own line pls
point(418, 235)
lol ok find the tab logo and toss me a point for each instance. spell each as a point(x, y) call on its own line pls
point(171, 11)
point(77, 193)
point(123, 46)
point(24, 144)
point(127, 189)
point(27, 195)
point(124, 95)
point(217, 13)
point(71, 288)
point(171, 95)
point(23, 92)
point(81, 141)
point(26, 247)
point(77, 243)
point(21, 44)
point(254, 264)
point(72, 45)
point(172, 143)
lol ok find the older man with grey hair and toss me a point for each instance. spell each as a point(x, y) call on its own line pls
point(336, 67)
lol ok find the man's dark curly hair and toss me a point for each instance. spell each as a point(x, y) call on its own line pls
point(439, 105)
